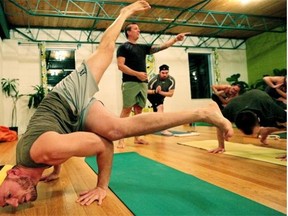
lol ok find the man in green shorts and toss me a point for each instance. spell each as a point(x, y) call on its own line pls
point(131, 59)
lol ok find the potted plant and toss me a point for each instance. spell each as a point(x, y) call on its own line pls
point(36, 98)
point(10, 89)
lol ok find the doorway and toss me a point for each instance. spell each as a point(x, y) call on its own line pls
point(200, 75)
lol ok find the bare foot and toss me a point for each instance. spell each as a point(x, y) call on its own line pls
point(50, 177)
point(121, 143)
point(217, 150)
point(138, 140)
point(139, 5)
point(213, 115)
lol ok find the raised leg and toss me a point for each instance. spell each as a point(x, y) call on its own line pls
point(102, 57)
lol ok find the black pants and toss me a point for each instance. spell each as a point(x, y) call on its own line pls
point(155, 100)
point(218, 101)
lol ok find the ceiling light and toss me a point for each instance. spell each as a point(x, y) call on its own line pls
point(245, 1)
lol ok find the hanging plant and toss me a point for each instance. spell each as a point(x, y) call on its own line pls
point(43, 65)
point(234, 80)
point(216, 66)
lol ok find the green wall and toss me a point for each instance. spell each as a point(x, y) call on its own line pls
point(264, 53)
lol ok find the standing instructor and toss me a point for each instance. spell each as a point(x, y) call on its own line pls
point(131, 59)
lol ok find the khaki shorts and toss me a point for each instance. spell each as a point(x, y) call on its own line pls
point(78, 89)
point(63, 110)
point(134, 93)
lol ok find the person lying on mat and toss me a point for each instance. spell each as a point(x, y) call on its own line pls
point(70, 122)
point(159, 87)
point(254, 113)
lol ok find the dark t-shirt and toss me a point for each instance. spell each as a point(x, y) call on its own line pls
point(53, 114)
point(135, 58)
point(166, 85)
point(258, 102)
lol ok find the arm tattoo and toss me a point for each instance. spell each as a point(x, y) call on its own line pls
point(156, 48)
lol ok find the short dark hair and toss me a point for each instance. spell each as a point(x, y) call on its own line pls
point(246, 121)
point(128, 28)
point(163, 67)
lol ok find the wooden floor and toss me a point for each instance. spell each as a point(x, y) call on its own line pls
point(262, 182)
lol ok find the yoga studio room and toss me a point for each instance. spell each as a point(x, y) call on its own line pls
point(143, 107)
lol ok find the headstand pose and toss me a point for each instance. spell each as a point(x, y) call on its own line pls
point(70, 122)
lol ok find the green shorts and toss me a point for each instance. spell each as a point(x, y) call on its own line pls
point(134, 93)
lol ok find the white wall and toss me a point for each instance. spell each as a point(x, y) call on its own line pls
point(23, 62)
point(233, 62)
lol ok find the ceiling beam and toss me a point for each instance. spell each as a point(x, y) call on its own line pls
point(172, 24)
point(197, 17)
point(38, 35)
point(4, 29)
point(193, 16)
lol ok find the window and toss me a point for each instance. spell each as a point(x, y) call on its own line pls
point(200, 75)
point(59, 64)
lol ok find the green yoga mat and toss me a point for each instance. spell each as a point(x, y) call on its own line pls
point(147, 187)
point(282, 135)
point(202, 124)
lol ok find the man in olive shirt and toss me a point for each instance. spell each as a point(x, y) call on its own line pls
point(70, 122)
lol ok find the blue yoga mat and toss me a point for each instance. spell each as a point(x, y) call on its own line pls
point(172, 131)
point(147, 187)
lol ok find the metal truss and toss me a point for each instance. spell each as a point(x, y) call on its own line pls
point(194, 16)
point(81, 37)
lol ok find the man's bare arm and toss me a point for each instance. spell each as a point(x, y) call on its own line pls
point(169, 43)
point(221, 143)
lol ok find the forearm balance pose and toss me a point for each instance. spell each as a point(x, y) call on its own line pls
point(131, 62)
point(69, 122)
point(254, 113)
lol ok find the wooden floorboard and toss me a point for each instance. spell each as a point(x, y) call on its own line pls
point(262, 182)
